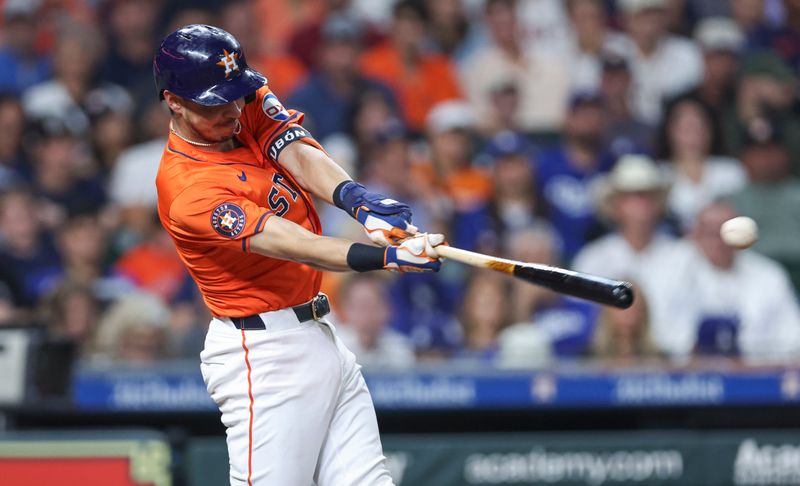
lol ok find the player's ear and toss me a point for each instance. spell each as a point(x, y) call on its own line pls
point(173, 101)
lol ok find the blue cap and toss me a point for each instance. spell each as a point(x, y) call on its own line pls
point(582, 98)
point(506, 144)
point(204, 64)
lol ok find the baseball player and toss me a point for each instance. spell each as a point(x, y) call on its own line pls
point(234, 192)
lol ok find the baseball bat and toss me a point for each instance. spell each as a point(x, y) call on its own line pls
point(606, 291)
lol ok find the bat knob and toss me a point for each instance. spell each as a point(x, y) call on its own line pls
point(622, 295)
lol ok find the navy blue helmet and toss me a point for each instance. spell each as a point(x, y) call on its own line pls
point(204, 64)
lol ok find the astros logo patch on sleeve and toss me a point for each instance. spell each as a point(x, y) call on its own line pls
point(228, 220)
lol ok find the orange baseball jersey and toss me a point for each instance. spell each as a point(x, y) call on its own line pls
point(211, 203)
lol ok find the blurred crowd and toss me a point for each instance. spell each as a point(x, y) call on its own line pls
point(608, 136)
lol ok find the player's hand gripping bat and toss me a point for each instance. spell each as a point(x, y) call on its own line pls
point(598, 289)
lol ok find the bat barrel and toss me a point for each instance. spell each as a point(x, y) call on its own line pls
point(606, 291)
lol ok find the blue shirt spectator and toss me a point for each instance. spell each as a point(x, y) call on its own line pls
point(22, 66)
point(569, 323)
point(568, 172)
point(568, 193)
point(328, 96)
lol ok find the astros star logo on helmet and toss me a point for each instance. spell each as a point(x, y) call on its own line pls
point(228, 60)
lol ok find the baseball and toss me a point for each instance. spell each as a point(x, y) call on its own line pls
point(740, 232)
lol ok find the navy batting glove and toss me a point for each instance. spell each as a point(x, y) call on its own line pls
point(385, 220)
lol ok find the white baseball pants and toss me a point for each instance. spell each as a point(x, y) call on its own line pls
point(296, 407)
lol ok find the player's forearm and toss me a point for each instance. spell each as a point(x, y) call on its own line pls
point(313, 170)
point(286, 240)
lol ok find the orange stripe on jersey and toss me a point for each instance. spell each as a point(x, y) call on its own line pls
point(212, 203)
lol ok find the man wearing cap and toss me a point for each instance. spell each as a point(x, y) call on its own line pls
point(235, 189)
point(772, 197)
point(722, 43)
point(663, 65)
point(625, 133)
point(22, 66)
point(567, 173)
point(632, 198)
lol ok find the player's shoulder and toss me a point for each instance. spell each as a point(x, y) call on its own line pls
point(264, 105)
point(180, 172)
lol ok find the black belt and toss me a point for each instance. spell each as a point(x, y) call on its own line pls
point(315, 309)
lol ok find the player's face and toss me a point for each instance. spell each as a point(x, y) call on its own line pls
point(209, 123)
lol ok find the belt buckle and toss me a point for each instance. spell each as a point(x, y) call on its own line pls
point(320, 306)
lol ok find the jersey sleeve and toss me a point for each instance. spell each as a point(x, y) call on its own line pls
point(272, 126)
point(209, 216)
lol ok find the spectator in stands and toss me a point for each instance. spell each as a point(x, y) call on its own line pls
point(134, 331)
point(504, 105)
point(623, 336)
point(284, 71)
point(689, 144)
point(424, 309)
point(625, 133)
point(722, 43)
point(75, 94)
point(485, 313)
point(712, 300)
point(132, 193)
point(81, 242)
point(663, 65)
point(391, 170)
point(72, 311)
point(112, 131)
point(450, 128)
point(590, 39)
point(750, 15)
point(785, 38)
point(23, 66)
point(364, 326)
point(372, 113)
point(307, 39)
point(449, 28)
point(515, 203)
point(153, 265)
point(772, 197)
point(768, 89)
point(132, 32)
point(12, 158)
point(28, 257)
point(568, 172)
point(568, 323)
point(419, 78)
point(633, 200)
point(542, 80)
point(62, 177)
point(327, 96)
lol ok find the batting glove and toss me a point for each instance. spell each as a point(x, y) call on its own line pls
point(385, 220)
point(416, 254)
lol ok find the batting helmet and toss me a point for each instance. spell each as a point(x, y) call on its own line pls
point(204, 64)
